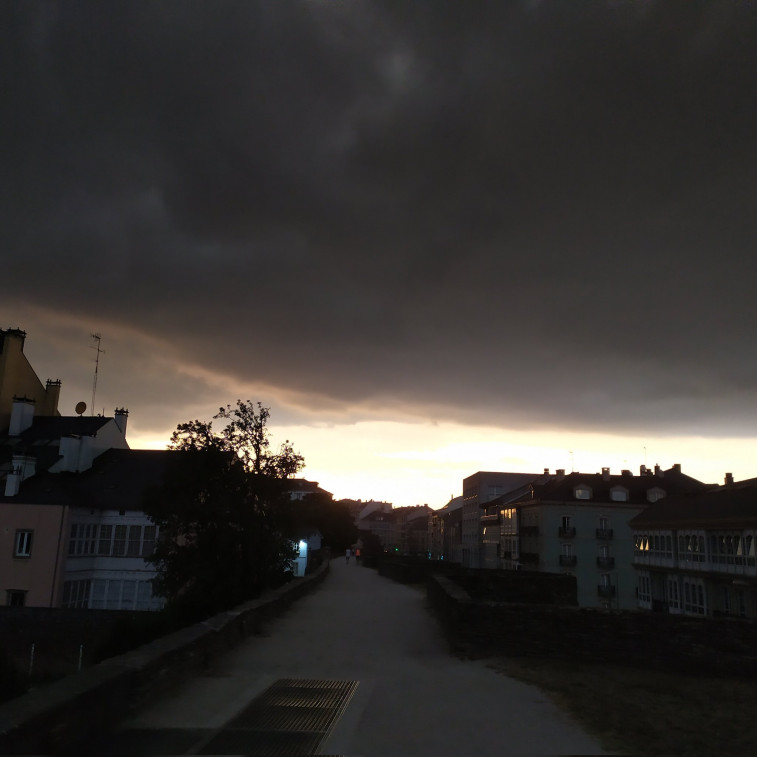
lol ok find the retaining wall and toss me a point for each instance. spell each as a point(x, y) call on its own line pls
point(479, 628)
point(67, 716)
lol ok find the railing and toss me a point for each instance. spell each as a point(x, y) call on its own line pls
point(566, 531)
point(604, 533)
point(605, 591)
point(605, 562)
point(568, 560)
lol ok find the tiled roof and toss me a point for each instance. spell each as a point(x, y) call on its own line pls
point(117, 480)
point(671, 481)
point(734, 505)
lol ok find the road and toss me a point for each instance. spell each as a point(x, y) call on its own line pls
point(363, 656)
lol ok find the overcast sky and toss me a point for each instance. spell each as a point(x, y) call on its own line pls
point(523, 217)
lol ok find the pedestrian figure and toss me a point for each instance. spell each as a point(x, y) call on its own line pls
point(347, 554)
point(357, 555)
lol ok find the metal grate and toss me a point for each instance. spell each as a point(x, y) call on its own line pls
point(290, 719)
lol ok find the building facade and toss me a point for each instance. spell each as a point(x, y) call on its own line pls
point(696, 554)
point(478, 490)
point(578, 524)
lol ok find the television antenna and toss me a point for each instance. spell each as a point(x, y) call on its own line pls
point(97, 339)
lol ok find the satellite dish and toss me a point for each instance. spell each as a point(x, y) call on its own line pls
point(81, 407)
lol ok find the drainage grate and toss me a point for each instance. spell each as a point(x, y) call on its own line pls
point(290, 719)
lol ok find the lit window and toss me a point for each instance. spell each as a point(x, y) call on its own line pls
point(23, 545)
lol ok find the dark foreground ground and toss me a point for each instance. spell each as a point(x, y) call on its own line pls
point(358, 668)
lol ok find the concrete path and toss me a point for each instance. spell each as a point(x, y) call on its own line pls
point(412, 696)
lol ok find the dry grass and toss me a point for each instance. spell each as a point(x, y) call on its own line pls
point(648, 712)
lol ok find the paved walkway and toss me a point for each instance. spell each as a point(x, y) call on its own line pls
point(411, 696)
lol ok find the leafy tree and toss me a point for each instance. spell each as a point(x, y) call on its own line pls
point(223, 511)
point(333, 520)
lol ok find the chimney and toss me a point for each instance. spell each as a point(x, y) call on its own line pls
point(626, 472)
point(22, 415)
point(605, 474)
point(728, 478)
point(52, 395)
point(677, 467)
point(22, 468)
point(658, 471)
point(643, 470)
point(560, 473)
point(546, 471)
point(121, 416)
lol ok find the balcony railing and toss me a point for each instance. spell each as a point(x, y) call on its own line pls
point(604, 533)
point(566, 531)
point(605, 562)
point(568, 560)
point(605, 590)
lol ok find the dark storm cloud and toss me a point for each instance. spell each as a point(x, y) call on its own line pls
point(518, 213)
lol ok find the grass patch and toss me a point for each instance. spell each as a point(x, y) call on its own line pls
point(647, 712)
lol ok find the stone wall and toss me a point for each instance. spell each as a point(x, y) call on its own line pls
point(59, 717)
point(480, 628)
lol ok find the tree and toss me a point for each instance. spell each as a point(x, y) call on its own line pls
point(332, 519)
point(222, 511)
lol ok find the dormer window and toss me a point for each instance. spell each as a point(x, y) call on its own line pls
point(655, 493)
point(582, 491)
point(619, 494)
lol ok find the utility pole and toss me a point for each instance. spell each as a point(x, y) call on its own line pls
point(97, 338)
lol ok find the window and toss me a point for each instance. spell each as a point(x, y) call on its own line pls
point(76, 594)
point(619, 494)
point(693, 598)
point(654, 494)
point(15, 598)
point(604, 524)
point(135, 541)
point(582, 491)
point(674, 600)
point(23, 544)
point(148, 544)
point(119, 542)
point(106, 534)
point(83, 539)
point(565, 522)
point(645, 588)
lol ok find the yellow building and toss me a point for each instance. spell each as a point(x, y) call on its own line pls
point(18, 379)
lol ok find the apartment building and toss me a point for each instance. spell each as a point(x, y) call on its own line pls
point(696, 554)
point(578, 524)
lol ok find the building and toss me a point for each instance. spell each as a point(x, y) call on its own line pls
point(478, 490)
point(578, 524)
point(447, 532)
point(299, 488)
point(18, 379)
point(72, 530)
point(695, 554)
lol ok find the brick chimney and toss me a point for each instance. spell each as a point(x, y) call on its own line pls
point(728, 478)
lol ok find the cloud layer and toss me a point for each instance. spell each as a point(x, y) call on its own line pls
point(521, 214)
